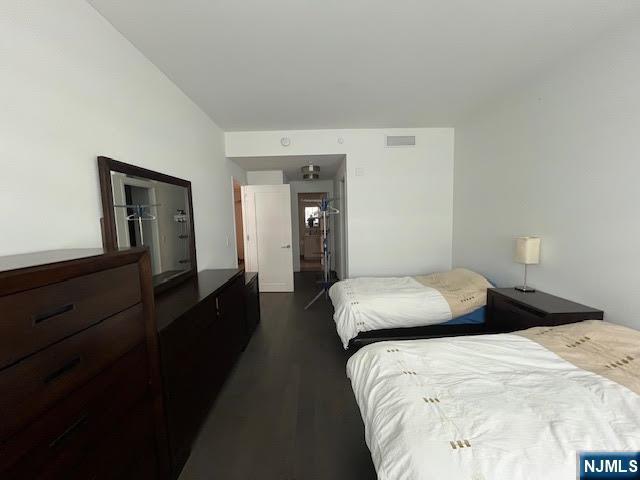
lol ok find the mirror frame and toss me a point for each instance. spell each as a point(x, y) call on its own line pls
point(107, 165)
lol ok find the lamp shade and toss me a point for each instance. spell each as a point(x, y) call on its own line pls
point(527, 250)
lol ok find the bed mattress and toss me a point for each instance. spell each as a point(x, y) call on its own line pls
point(489, 407)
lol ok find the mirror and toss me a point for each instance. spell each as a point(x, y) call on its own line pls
point(150, 209)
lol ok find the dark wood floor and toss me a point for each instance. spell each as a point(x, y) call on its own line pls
point(287, 411)
point(310, 265)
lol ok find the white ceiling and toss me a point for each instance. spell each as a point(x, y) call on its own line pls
point(291, 164)
point(296, 64)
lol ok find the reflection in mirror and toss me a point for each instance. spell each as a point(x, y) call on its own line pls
point(156, 215)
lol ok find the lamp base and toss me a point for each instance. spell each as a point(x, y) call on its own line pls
point(525, 289)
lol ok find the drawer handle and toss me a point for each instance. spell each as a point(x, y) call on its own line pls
point(41, 317)
point(69, 431)
point(67, 367)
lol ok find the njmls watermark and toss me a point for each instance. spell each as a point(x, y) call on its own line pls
point(609, 465)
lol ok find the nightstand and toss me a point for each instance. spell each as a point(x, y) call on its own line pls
point(509, 309)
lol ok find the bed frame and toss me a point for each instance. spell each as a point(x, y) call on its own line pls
point(415, 333)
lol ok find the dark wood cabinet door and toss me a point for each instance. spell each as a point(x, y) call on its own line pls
point(233, 319)
point(189, 364)
point(252, 306)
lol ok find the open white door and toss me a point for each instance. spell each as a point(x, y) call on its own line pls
point(267, 218)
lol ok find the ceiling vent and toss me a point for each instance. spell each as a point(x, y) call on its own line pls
point(400, 140)
point(310, 172)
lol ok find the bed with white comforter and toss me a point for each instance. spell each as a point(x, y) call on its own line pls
point(497, 407)
point(371, 303)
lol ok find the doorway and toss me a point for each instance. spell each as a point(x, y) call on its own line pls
point(237, 214)
point(310, 231)
point(267, 235)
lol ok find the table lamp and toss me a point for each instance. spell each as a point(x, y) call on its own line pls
point(527, 253)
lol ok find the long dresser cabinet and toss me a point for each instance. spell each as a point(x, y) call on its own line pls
point(203, 326)
point(80, 391)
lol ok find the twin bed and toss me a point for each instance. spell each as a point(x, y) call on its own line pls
point(441, 304)
point(492, 406)
point(503, 406)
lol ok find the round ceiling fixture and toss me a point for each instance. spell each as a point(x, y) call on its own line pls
point(310, 172)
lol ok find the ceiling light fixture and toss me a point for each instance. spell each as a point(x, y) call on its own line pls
point(310, 172)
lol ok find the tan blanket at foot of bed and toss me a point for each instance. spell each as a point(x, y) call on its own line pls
point(609, 350)
point(464, 290)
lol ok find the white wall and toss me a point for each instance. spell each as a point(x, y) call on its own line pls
point(265, 177)
point(308, 187)
point(400, 199)
point(72, 88)
point(560, 158)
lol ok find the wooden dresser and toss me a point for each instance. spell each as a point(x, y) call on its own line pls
point(203, 325)
point(80, 393)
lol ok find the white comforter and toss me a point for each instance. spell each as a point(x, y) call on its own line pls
point(369, 303)
point(518, 410)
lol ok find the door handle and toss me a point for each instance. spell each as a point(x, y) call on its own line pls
point(286, 246)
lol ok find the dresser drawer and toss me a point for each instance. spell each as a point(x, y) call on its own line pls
point(36, 382)
point(125, 453)
point(34, 319)
point(57, 442)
